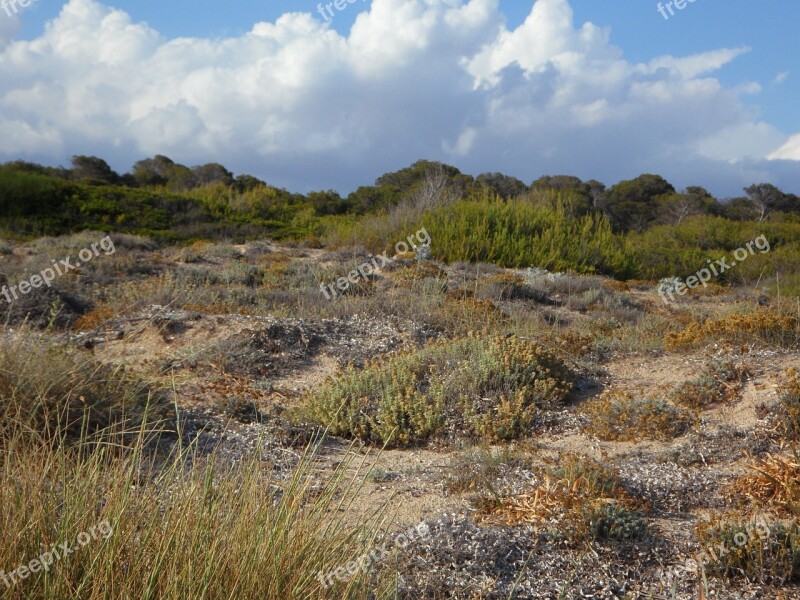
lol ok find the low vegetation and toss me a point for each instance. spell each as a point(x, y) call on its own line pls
point(772, 326)
point(578, 500)
point(754, 548)
point(624, 416)
point(490, 389)
point(721, 381)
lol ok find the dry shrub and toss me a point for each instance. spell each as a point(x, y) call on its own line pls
point(579, 500)
point(789, 394)
point(720, 382)
point(709, 290)
point(623, 416)
point(774, 326)
point(616, 286)
point(96, 318)
point(417, 271)
point(508, 286)
point(573, 343)
point(735, 545)
point(276, 268)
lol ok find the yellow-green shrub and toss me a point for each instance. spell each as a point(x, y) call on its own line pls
point(490, 388)
point(625, 417)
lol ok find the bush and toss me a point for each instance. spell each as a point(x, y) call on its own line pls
point(614, 522)
point(520, 234)
point(487, 388)
point(777, 326)
point(720, 382)
point(622, 416)
point(752, 548)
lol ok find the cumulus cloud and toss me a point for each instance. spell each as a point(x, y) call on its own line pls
point(788, 151)
point(298, 103)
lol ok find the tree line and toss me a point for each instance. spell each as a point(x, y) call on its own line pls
point(159, 193)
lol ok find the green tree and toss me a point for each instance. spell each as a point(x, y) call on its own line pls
point(739, 209)
point(92, 168)
point(328, 203)
point(633, 204)
point(245, 183)
point(505, 186)
point(212, 173)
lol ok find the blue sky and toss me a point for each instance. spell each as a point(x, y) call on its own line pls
point(723, 101)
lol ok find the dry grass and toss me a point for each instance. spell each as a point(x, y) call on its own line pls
point(182, 526)
point(477, 469)
point(777, 326)
point(179, 530)
point(772, 482)
point(54, 390)
point(579, 500)
point(789, 394)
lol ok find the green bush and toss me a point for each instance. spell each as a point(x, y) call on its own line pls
point(522, 234)
point(487, 388)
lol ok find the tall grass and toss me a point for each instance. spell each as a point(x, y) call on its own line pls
point(180, 530)
point(181, 525)
point(53, 391)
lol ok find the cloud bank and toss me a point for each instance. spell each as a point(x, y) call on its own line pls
point(306, 108)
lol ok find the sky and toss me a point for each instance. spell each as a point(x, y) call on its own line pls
point(307, 99)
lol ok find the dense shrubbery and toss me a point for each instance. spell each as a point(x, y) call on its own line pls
point(641, 228)
point(522, 234)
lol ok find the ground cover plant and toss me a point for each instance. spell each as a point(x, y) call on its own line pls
point(490, 389)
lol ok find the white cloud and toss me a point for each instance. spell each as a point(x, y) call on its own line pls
point(698, 64)
point(745, 140)
point(9, 25)
point(781, 77)
point(298, 103)
point(790, 150)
